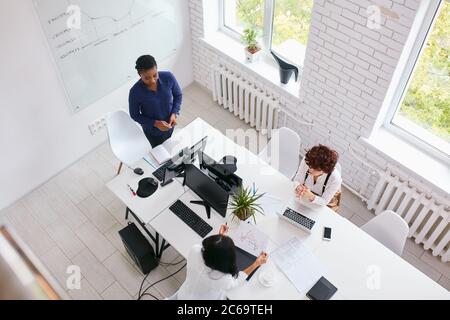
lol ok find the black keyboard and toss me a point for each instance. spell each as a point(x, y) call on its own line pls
point(298, 219)
point(159, 173)
point(189, 217)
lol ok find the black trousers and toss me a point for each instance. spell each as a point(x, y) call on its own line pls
point(157, 140)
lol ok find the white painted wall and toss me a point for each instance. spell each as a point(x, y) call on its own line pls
point(39, 135)
point(347, 71)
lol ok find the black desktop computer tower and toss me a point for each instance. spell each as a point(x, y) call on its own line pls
point(138, 247)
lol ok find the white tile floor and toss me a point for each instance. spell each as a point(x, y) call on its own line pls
point(73, 219)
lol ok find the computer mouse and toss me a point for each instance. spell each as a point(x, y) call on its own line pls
point(138, 171)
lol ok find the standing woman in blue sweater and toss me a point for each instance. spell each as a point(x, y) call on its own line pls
point(155, 101)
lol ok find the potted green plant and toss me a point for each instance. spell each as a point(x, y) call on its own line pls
point(252, 49)
point(243, 204)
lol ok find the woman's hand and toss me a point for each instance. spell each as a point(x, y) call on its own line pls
point(300, 190)
point(162, 125)
point(223, 229)
point(173, 120)
point(304, 191)
point(261, 259)
point(308, 194)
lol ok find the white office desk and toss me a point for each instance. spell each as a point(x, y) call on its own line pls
point(358, 265)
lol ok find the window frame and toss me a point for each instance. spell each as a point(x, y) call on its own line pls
point(269, 15)
point(429, 145)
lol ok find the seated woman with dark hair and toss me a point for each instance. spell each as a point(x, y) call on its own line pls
point(319, 177)
point(212, 270)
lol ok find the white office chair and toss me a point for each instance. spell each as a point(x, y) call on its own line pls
point(282, 152)
point(389, 229)
point(127, 140)
point(173, 297)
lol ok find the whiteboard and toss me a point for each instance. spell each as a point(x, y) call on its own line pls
point(97, 55)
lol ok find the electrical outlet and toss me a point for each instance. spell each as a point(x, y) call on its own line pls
point(97, 125)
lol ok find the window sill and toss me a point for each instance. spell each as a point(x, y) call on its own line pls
point(417, 163)
point(264, 68)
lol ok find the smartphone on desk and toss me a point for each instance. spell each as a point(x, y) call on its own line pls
point(327, 233)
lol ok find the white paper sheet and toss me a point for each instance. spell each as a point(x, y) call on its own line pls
point(248, 238)
point(149, 159)
point(271, 205)
point(299, 264)
point(160, 154)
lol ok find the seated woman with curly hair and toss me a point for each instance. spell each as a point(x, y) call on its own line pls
point(319, 177)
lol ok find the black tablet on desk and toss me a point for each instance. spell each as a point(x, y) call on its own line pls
point(322, 290)
point(244, 260)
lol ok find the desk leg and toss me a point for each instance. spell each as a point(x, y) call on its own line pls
point(155, 241)
point(164, 246)
point(157, 246)
point(126, 213)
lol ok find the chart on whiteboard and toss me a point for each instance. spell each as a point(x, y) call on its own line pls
point(95, 43)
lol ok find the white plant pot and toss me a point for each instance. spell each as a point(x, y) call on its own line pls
point(252, 57)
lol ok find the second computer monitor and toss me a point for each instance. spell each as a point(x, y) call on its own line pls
point(207, 189)
point(196, 148)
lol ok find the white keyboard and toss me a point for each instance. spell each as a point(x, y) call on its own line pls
point(298, 220)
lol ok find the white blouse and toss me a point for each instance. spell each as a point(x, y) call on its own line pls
point(333, 184)
point(203, 283)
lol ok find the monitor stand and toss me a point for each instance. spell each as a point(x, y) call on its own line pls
point(203, 203)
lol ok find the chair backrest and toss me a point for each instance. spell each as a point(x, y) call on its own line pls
point(127, 140)
point(283, 151)
point(389, 229)
point(172, 297)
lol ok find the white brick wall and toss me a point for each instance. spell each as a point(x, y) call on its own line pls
point(348, 68)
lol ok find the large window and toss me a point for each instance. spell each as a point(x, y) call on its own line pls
point(423, 109)
point(241, 14)
point(283, 25)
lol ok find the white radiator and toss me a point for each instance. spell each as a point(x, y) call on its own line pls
point(246, 101)
point(428, 222)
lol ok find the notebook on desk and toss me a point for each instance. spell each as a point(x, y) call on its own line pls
point(322, 290)
point(244, 260)
point(160, 154)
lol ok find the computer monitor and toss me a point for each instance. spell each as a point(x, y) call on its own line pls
point(196, 148)
point(185, 156)
point(213, 195)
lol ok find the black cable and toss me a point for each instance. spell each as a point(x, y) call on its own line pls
point(166, 264)
point(149, 294)
point(142, 283)
point(171, 275)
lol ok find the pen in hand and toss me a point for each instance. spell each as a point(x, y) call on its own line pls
point(131, 189)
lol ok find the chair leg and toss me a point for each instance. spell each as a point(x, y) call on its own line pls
point(120, 168)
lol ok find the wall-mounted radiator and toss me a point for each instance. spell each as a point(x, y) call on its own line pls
point(249, 103)
point(428, 222)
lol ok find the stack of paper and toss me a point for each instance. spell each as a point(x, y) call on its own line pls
point(270, 204)
point(160, 154)
point(299, 264)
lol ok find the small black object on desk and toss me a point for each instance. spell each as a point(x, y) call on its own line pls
point(322, 290)
point(229, 163)
point(138, 171)
point(147, 187)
